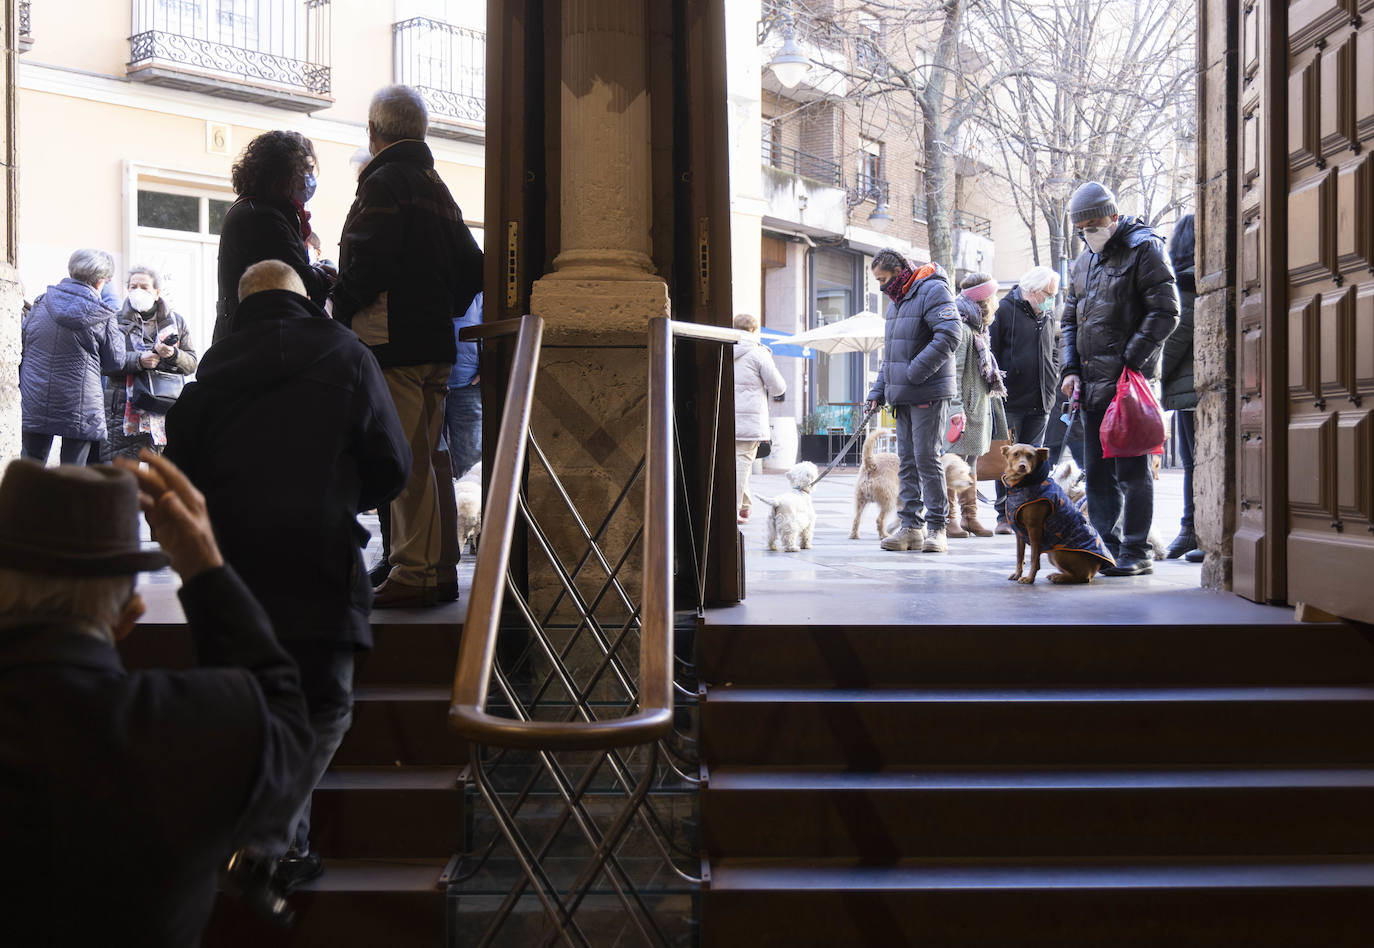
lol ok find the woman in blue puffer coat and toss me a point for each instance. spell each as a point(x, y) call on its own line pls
point(70, 339)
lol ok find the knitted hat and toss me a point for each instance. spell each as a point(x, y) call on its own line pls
point(980, 291)
point(71, 521)
point(1091, 201)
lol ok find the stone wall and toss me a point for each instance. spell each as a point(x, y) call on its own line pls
point(1214, 474)
point(11, 309)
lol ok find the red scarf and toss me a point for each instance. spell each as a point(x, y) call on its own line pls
point(900, 285)
point(304, 217)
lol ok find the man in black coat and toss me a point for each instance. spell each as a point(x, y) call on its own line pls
point(408, 266)
point(1180, 397)
point(1022, 339)
point(1122, 305)
point(291, 384)
point(123, 793)
point(917, 379)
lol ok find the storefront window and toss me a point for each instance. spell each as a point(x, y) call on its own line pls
point(838, 378)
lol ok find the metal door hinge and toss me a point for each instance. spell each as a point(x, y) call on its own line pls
point(512, 265)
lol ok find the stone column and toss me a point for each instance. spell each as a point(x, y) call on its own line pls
point(603, 282)
point(596, 305)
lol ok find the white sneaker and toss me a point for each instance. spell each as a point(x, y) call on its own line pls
point(907, 538)
point(935, 542)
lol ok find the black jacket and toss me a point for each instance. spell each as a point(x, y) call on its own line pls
point(257, 229)
point(1122, 306)
point(1179, 393)
point(919, 339)
point(408, 265)
point(123, 793)
point(1023, 342)
point(289, 431)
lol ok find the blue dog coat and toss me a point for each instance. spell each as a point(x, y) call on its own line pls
point(1066, 528)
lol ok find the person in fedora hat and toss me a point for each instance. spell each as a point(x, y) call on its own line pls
point(123, 793)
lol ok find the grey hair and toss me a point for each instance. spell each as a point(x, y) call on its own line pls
point(890, 260)
point(97, 599)
point(148, 272)
point(398, 112)
point(269, 275)
point(747, 322)
point(1039, 280)
point(90, 266)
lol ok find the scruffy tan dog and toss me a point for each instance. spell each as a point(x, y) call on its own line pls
point(878, 482)
point(1045, 518)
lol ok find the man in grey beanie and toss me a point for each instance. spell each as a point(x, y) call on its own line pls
point(1122, 305)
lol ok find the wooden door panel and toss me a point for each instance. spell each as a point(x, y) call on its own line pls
point(1311, 229)
point(1355, 215)
point(1304, 117)
point(1304, 349)
point(1355, 467)
point(1336, 90)
point(1311, 463)
point(1364, 83)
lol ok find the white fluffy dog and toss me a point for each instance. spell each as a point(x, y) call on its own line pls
point(1068, 475)
point(469, 513)
point(793, 518)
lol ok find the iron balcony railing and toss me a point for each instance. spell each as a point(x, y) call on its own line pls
point(805, 26)
point(868, 188)
point(974, 223)
point(276, 43)
point(446, 63)
point(568, 687)
point(784, 158)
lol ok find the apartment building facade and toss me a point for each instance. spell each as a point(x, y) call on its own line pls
point(131, 113)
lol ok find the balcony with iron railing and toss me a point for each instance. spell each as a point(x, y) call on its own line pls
point(973, 223)
point(795, 161)
point(447, 64)
point(273, 52)
point(24, 27)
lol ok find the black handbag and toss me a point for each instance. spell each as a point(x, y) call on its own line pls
point(765, 449)
point(156, 392)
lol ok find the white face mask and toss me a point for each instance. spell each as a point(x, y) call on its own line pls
point(1097, 237)
point(141, 300)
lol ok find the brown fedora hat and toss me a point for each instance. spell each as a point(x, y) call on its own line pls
point(77, 521)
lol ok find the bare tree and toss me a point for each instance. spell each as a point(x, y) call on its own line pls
point(1104, 91)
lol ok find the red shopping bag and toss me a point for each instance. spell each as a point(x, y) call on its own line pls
point(1134, 422)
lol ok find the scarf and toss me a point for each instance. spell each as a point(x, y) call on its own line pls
point(304, 217)
point(900, 285)
point(988, 369)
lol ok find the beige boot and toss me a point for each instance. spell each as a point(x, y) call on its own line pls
point(968, 499)
point(952, 528)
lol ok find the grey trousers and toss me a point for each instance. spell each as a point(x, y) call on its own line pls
point(920, 439)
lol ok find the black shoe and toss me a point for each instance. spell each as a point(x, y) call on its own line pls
point(1185, 541)
point(1195, 556)
point(1128, 567)
point(249, 877)
point(446, 592)
point(378, 574)
point(295, 870)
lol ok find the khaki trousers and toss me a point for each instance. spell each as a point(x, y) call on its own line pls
point(417, 530)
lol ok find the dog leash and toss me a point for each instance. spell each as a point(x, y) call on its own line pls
point(858, 430)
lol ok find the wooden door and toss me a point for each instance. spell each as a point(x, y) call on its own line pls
point(1323, 267)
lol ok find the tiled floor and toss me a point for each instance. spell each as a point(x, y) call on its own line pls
point(844, 580)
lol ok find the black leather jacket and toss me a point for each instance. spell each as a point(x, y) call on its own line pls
point(1122, 305)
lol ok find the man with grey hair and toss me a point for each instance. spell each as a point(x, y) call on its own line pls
point(1022, 339)
point(70, 340)
point(148, 774)
point(408, 266)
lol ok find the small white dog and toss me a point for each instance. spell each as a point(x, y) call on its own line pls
point(469, 514)
point(793, 517)
point(1068, 475)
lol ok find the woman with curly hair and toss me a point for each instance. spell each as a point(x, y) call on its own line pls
point(274, 179)
point(976, 413)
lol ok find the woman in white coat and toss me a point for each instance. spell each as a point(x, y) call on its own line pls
point(756, 380)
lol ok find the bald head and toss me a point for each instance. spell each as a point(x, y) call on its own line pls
point(269, 275)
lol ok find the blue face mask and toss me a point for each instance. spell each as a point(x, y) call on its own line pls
point(1047, 305)
point(305, 193)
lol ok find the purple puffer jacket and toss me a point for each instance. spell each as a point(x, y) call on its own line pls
point(70, 339)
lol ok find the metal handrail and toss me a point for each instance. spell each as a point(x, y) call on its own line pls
point(653, 719)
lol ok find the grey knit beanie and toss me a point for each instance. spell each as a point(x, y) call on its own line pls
point(1091, 201)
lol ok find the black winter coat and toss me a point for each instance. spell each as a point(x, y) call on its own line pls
point(69, 340)
point(139, 783)
point(1122, 306)
point(919, 340)
point(289, 431)
point(139, 336)
point(1024, 343)
point(257, 229)
point(408, 265)
point(1179, 393)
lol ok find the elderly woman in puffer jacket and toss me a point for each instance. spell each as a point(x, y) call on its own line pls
point(979, 396)
point(69, 339)
point(756, 380)
point(155, 337)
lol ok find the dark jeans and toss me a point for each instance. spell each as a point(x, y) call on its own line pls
point(1121, 495)
point(1057, 435)
point(1027, 427)
point(920, 439)
point(327, 681)
point(1186, 433)
point(39, 446)
point(463, 427)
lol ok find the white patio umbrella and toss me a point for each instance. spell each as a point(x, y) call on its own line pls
point(862, 332)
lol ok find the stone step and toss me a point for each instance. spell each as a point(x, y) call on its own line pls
point(384, 813)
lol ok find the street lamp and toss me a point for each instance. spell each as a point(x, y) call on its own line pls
point(873, 191)
point(788, 63)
